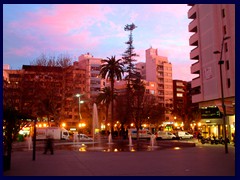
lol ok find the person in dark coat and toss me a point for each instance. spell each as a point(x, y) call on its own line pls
point(48, 145)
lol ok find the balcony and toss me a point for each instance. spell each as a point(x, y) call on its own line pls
point(194, 54)
point(196, 82)
point(192, 12)
point(193, 40)
point(192, 27)
point(195, 68)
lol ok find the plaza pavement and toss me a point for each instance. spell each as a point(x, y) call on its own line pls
point(201, 160)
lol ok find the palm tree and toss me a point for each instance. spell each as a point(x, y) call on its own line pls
point(112, 69)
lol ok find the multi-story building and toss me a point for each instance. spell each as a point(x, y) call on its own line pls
point(179, 97)
point(159, 70)
point(51, 88)
point(92, 66)
point(184, 110)
point(213, 28)
point(141, 68)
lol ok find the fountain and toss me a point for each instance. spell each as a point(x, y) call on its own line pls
point(95, 129)
point(152, 142)
point(130, 140)
point(110, 138)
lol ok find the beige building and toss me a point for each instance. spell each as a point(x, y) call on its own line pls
point(92, 66)
point(213, 28)
point(159, 70)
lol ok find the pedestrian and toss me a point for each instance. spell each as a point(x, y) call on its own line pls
point(29, 142)
point(199, 136)
point(48, 145)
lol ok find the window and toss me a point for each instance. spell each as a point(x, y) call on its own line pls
point(226, 47)
point(227, 64)
point(179, 95)
point(223, 13)
point(224, 29)
point(152, 92)
point(229, 83)
point(179, 84)
point(180, 89)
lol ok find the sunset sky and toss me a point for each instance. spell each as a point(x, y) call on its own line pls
point(75, 29)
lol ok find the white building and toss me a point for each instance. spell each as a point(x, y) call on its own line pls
point(211, 23)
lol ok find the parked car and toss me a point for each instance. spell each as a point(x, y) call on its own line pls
point(165, 135)
point(184, 135)
point(84, 137)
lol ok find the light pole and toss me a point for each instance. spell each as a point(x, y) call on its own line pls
point(34, 140)
point(220, 62)
point(79, 107)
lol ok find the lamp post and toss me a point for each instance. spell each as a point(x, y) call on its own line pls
point(34, 140)
point(220, 62)
point(79, 107)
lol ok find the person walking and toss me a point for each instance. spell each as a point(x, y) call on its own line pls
point(48, 145)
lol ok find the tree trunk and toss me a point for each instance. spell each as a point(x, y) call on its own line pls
point(106, 122)
point(112, 117)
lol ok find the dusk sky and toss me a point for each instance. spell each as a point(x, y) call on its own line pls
point(75, 29)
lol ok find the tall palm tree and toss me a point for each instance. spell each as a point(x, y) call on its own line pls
point(112, 69)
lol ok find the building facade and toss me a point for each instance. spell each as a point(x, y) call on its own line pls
point(213, 28)
point(46, 92)
point(92, 66)
point(159, 70)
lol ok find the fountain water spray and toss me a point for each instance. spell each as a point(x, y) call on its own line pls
point(95, 125)
point(110, 138)
point(152, 140)
point(130, 139)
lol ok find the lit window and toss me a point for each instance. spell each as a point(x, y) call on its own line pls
point(152, 92)
point(179, 95)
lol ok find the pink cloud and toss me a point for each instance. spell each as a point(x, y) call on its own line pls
point(62, 19)
point(180, 10)
point(65, 24)
point(22, 51)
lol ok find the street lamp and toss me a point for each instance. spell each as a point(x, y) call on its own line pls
point(34, 139)
point(79, 107)
point(220, 62)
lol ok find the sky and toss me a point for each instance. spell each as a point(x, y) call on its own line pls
point(75, 29)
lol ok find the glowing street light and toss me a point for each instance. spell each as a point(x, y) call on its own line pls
point(79, 107)
point(63, 125)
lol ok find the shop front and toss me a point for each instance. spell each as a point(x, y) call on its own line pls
point(214, 127)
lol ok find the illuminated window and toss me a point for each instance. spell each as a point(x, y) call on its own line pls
point(179, 95)
point(152, 92)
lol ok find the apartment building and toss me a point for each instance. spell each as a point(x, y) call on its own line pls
point(141, 68)
point(33, 88)
point(92, 66)
point(179, 96)
point(159, 70)
point(213, 28)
